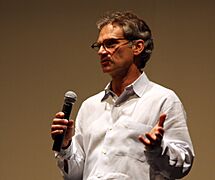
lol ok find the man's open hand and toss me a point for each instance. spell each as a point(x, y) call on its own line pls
point(153, 138)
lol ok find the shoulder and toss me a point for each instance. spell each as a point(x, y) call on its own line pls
point(160, 91)
point(95, 98)
point(166, 99)
point(90, 109)
point(93, 101)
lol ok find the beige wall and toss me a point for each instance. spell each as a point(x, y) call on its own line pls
point(44, 51)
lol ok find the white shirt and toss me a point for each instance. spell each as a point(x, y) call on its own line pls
point(106, 145)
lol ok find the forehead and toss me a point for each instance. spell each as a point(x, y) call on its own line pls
point(110, 31)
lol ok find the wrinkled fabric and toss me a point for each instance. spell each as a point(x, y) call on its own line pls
point(106, 146)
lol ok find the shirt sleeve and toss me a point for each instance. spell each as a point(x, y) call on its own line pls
point(175, 156)
point(71, 160)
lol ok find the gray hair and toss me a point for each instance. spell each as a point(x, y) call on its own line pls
point(133, 28)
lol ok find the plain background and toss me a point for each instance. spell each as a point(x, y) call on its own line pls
point(45, 51)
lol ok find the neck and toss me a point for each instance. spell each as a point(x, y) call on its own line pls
point(119, 82)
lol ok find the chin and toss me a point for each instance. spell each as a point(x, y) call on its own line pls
point(106, 69)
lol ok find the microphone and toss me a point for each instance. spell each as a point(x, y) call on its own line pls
point(69, 99)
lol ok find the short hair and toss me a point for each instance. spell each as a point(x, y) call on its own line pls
point(133, 28)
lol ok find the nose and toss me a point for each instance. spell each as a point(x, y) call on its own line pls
point(102, 50)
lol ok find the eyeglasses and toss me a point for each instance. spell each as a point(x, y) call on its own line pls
point(108, 44)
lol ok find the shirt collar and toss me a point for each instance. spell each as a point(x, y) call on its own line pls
point(139, 86)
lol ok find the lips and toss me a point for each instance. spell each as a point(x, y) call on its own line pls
point(105, 61)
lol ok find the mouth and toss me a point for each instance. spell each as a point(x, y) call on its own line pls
point(105, 62)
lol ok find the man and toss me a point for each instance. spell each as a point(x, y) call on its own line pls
point(134, 129)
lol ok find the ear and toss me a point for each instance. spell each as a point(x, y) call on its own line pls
point(138, 46)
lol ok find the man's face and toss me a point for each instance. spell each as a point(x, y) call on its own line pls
point(116, 55)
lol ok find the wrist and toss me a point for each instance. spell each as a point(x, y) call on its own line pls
point(66, 144)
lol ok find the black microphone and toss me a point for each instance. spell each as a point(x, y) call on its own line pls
point(69, 99)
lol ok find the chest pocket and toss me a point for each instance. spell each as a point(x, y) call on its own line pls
point(123, 140)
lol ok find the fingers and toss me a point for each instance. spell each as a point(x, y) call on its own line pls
point(59, 121)
point(145, 141)
point(162, 120)
point(155, 136)
point(59, 125)
point(151, 140)
point(59, 115)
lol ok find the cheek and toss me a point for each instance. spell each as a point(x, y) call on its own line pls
point(125, 57)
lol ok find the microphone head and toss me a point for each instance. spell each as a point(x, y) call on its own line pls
point(70, 97)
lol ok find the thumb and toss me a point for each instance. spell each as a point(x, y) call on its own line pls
point(162, 120)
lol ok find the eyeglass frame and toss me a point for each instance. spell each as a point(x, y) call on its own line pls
point(96, 46)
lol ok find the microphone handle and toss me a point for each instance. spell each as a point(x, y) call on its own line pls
point(57, 145)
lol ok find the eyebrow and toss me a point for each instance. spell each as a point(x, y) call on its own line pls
point(120, 38)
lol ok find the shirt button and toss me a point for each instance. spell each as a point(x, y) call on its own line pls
point(104, 152)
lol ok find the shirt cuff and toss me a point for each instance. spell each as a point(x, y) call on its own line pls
point(64, 153)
